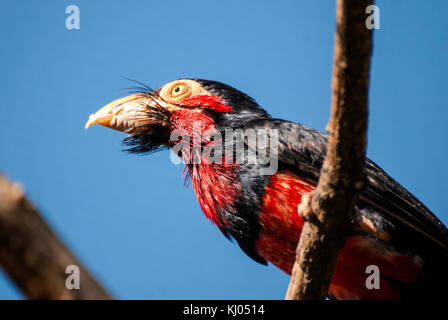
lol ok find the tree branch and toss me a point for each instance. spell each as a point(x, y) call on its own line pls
point(342, 177)
point(33, 255)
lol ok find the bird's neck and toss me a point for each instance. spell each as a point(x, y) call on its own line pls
point(215, 182)
point(216, 189)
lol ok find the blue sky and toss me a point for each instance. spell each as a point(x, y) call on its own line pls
point(130, 218)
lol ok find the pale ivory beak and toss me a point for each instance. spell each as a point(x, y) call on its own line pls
point(122, 114)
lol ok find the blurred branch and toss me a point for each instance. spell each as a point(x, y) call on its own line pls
point(33, 255)
point(341, 178)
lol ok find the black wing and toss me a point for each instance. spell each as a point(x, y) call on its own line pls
point(302, 150)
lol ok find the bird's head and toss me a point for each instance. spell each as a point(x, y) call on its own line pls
point(150, 116)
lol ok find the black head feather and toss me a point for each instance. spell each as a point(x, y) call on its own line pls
point(244, 107)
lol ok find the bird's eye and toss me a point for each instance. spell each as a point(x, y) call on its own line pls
point(178, 90)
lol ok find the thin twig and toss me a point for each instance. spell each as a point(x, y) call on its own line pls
point(341, 178)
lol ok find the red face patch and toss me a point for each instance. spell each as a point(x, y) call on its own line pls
point(212, 102)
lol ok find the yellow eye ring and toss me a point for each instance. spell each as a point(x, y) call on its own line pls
point(179, 90)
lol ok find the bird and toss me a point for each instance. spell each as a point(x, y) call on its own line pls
point(255, 192)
